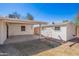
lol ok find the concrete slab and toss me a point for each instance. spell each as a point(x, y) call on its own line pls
point(21, 38)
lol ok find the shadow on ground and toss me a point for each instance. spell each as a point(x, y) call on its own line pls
point(75, 41)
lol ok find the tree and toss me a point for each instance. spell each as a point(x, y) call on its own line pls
point(76, 22)
point(29, 16)
point(14, 15)
point(53, 23)
point(65, 21)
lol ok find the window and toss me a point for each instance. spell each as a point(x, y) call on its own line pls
point(22, 28)
point(57, 28)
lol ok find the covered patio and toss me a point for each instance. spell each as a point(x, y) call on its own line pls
point(22, 37)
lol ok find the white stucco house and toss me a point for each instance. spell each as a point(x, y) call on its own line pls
point(61, 31)
point(13, 27)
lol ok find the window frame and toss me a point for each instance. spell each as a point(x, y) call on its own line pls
point(57, 28)
point(23, 28)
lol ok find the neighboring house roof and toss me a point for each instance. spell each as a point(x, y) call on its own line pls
point(58, 24)
point(14, 20)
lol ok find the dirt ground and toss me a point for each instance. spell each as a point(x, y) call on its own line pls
point(70, 48)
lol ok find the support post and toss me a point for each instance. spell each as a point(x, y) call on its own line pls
point(39, 31)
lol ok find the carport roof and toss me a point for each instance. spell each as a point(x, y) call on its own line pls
point(14, 20)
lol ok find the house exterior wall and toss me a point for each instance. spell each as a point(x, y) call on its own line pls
point(15, 29)
point(57, 34)
point(70, 31)
point(2, 32)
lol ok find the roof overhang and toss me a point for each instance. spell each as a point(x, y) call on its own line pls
point(19, 21)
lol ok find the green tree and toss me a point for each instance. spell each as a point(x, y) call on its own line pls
point(29, 17)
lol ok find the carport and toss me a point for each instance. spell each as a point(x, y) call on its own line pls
point(19, 38)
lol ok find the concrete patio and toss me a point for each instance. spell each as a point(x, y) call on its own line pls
point(21, 38)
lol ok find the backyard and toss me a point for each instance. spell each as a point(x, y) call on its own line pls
point(40, 48)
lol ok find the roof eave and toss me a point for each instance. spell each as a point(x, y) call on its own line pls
point(12, 20)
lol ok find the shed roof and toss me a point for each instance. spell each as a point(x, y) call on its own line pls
point(58, 24)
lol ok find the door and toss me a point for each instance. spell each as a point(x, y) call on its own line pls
point(36, 30)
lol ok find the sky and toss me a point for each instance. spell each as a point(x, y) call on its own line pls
point(48, 12)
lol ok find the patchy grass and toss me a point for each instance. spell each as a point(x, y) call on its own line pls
point(52, 46)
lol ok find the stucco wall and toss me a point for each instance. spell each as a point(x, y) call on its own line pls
point(2, 32)
point(70, 31)
point(65, 33)
point(15, 29)
point(60, 34)
point(57, 34)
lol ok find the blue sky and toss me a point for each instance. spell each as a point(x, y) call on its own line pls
point(48, 12)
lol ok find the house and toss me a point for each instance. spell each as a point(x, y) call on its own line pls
point(61, 31)
point(12, 27)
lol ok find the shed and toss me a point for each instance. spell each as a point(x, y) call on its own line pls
point(61, 31)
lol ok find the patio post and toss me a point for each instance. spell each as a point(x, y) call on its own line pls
point(40, 31)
